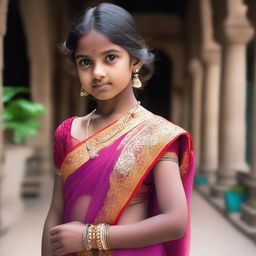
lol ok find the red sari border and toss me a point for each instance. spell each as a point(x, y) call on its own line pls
point(146, 173)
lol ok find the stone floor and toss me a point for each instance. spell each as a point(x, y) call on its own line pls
point(211, 234)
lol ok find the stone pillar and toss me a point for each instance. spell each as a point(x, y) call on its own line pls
point(67, 91)
point(210, 54)
point(3, 14)
point(248, 209)
point(210, 112)
point(195, 69)
point(236, 32)
point(39, 29)
point(187, 103)
point(176, 105)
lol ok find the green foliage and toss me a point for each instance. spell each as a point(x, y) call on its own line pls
point(237, 189)
point(19, 115)
point(10, 92)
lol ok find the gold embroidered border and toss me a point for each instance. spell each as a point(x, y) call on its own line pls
point(184, 163)
point(145, 144)
point(79, 154)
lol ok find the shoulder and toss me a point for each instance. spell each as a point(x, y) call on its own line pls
point(165, 131)
point(63, 127)
point(163, 126)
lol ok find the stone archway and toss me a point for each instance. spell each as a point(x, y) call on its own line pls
point(16, 62)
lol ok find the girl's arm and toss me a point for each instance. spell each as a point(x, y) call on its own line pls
point(169, 225)
point(54, 216)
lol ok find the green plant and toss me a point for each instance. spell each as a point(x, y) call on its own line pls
point(234, 197)
point(20, 115)
point(237, 189)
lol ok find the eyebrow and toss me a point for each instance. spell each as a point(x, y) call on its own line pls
point(102, 53)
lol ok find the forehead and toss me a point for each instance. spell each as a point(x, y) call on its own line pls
point(94, 42)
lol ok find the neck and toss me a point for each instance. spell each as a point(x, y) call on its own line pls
point(120, 104)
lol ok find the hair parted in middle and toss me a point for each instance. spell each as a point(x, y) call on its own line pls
point(119, 27)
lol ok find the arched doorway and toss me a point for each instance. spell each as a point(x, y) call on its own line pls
point(16, 62)
point(157, 93)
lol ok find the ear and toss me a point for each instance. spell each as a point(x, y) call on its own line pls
point(136, 64)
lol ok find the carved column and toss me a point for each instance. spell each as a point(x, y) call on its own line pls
point(210, 112)
point(237, 32)
point(248, 209)
point(3, 14)
point(39, 26)
point(196, 72)
point(210, 54)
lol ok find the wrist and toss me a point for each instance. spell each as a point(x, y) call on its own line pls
point(96, 237)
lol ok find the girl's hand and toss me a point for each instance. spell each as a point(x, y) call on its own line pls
point(67, 238)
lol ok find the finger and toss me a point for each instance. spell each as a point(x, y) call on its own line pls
point(56, 246)
point(54, 231)
point(59, 252)
point(54, 239)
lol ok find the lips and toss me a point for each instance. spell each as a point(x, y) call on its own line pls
point(100, 85)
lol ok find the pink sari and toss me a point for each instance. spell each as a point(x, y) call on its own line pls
point(99, 189)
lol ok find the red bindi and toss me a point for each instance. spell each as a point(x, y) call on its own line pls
point(93, 51)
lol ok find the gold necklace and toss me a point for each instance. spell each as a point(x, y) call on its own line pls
point(108, 136)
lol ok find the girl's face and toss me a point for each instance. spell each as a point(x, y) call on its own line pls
point(104, 68)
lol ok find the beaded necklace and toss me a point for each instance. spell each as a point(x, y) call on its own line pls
point(128, 116)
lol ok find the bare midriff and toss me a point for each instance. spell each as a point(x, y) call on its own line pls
point(134, 213)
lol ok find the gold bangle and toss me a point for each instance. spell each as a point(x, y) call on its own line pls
point(89, 238)
point(85, 232)
point(106, 238)
point(102, 236)
point(99, 236)
point(94, 235)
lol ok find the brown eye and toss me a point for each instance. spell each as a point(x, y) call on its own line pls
point(84, 62)
point(110, 58)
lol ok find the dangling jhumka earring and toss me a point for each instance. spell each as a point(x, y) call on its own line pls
point(83, 92)
point(136, 83)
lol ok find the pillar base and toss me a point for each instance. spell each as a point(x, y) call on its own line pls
point(218, 190)
point(248, 209)
point(248, 215)
point(33, 176)
point(225, 180)
point(210, 174)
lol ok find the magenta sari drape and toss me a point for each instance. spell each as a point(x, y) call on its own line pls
point(99, 189)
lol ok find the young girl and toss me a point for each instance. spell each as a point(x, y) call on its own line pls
point(124, 174)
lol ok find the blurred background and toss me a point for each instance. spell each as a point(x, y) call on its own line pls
point(204, 81)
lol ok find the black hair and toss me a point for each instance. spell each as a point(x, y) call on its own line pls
point(119, 27)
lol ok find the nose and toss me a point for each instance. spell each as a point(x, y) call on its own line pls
point(98, 71)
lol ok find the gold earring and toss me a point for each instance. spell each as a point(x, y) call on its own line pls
point(136, 83)
point(83, 92)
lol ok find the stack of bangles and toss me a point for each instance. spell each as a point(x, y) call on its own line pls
point(96, 235)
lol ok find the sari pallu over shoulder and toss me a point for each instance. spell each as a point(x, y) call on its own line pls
point(139, 150)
